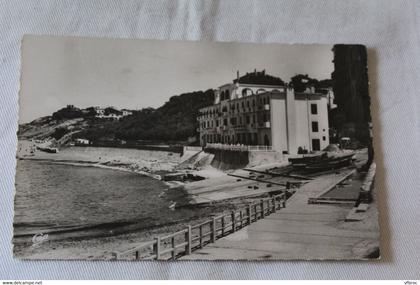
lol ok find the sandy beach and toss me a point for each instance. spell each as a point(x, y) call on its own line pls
point(144, 162)
point(209, 195)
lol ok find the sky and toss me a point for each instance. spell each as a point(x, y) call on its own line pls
point(135, 74)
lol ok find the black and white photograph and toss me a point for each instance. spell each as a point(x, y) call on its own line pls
point(181, 150)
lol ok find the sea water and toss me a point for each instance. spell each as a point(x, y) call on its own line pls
point(59, 198)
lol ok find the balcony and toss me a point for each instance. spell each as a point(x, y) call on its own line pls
point(221, 128)
point(239, 128)
point(239, 147)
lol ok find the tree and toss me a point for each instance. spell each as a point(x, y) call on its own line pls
point(300, 82)
point(175, 120)
point(59, 133)
point(259, 77)
point(69, 112)
point(351, 90)
point(351, 82)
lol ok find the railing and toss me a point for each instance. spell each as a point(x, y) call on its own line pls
point(239, 147)
point(194, 237)
point(260, 148)
point(192, 148)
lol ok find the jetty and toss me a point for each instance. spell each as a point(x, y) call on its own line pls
point(301, 230)
point(314, 216)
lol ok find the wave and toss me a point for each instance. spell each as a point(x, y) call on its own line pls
point(76, 232)
point(58, 229)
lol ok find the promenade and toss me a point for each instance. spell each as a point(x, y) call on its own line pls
point(300, 231)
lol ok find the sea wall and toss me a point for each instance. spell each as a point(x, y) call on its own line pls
point(231, 159)
point(228, 159)
point(264, 157)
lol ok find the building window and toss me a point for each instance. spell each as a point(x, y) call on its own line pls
point(240, 121)
point(247, 120)
point(265, 118)
point(266, 140)
point(316, 145)
point(247, 92)
point(323, 138)
point(314, 109)
point(225, 122)
point(227, 95)
point(315, 127)
point(260, 91)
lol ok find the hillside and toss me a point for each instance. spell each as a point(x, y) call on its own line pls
point(176, 120)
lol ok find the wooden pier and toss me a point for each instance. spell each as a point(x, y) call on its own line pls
point(301, 231)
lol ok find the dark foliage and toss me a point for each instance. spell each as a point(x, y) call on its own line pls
point(69, 112)
point(300, 82)
point(175, 120)
point(59, 133)
point(99, 130)
point(325, 83)
point(350, 85)
point(259, 77)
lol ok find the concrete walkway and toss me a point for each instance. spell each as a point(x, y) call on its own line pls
point(300, 231)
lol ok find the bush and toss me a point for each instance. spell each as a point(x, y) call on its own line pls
point(59, 133)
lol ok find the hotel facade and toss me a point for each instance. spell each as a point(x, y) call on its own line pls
point(274, 116)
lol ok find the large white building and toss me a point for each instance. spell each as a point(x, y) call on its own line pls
point(266, 115)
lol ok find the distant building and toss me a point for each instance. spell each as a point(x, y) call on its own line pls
point(71, 107)
point(266, 115)
point(111, 113)
point(80, 141)
point(126, 112)
point(99, 111)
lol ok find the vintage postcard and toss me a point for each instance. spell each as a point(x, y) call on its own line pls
point(175, 150)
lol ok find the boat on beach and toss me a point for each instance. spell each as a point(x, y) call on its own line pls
point(322, 162)
point(307, 158)
point(48, 149)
